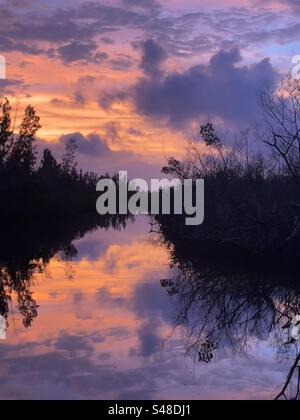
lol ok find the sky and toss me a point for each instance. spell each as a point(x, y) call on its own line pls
point(132, 80)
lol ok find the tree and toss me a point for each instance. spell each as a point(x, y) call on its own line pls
point(23, 153)
point(69, 158)
point(220, 305)
point(295, 370)
point(49, 164)
point(281, 124)
point(5, 131)
point(209, 136)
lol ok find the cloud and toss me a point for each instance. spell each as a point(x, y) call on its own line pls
point(79, 51)
point(7, 45)
point(87, 80)
point(77, 343)
point(153, 57)
point(91, 149)
point(74, 28)
point(91, 145)
point(76, 51)
point(107, 99)
point(223, 88)
point(78, 298)
point(110, 16)
point(63, 366)
point(9, 86)
point(70, 30)
point(90, 249)
point(4, 83)
point(54, 29)
point(280, 36)
point(121, 63)
point(292, 4)
point(145, 4)
point(153, 307)
point(77, 99)
point(56, 375)
point(108, 41)
point(105, 298)
point(149, 338)
point(96, 153)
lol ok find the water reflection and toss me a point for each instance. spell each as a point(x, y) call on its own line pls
point(26, 249)
point(106, 328)
point(224, 305)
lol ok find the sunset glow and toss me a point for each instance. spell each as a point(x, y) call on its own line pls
point(79, 64)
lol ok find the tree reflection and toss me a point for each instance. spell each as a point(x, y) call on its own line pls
point(27, 248)
point(226, 304)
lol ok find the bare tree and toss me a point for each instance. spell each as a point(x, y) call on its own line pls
point(280, 128)
point(219, 304)
point(294, 371)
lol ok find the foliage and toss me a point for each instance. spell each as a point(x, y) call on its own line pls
point(251, 199)
point(47, 205)
point(40, 189)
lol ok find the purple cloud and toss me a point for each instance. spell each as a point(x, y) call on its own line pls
point(81, 51)
point(91, 145)
point(153, 57)
point(223, 88)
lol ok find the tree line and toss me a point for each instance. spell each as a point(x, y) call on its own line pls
point(252, 199)
point(32, 186)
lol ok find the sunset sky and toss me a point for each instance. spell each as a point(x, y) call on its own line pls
point(134, 79)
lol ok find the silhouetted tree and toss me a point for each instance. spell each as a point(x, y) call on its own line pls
point(209, 136)
point(49, 165)
point(252, 199)
point(224, 302)
point(45, 207)
point(69, 158)
point(46, 189)
point(280, 129)
point(26, 249)
point(23, 153)
point(5, 131)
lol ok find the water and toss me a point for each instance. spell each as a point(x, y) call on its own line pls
point(107, 329)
